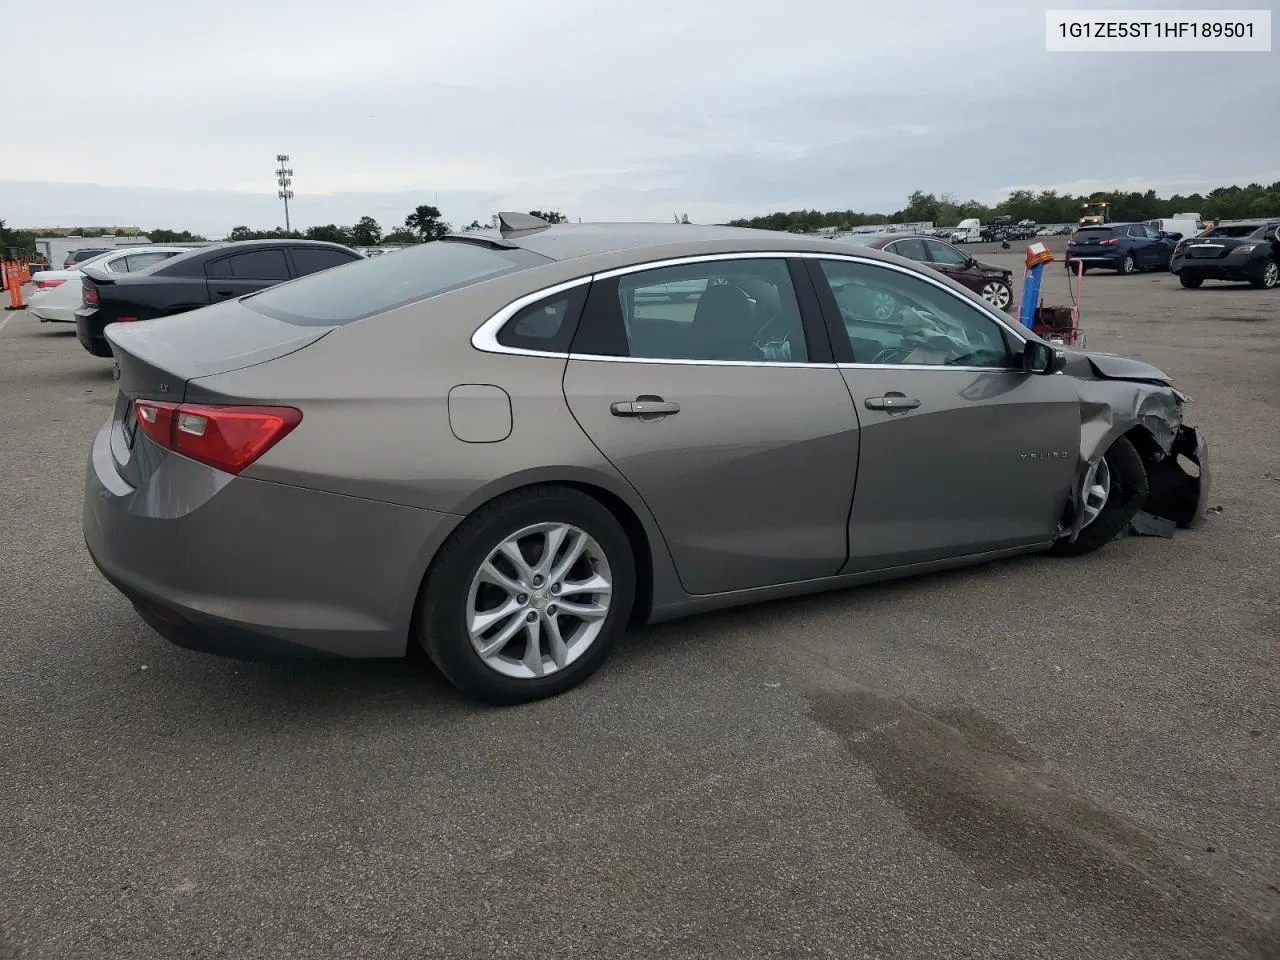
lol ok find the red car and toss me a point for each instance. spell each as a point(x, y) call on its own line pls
point(994, 284)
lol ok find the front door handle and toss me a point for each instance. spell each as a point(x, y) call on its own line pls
point(892, 401)
point(645, 406)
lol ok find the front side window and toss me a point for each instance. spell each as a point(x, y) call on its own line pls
point(723, 310)
point(893, 317)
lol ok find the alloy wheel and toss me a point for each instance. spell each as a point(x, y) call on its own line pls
point(539, 600)
point(1270, 275)
point(997, 294)
point(1096, 492)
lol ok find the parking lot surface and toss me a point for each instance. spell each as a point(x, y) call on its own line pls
point(1037, 758)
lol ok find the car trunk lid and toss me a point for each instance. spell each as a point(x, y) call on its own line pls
point(157, 359)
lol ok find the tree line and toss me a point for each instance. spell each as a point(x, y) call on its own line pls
point(1046, 206)
point(424, 224)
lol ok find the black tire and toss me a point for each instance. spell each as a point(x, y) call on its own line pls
point(1191, 283)
point(442, 629)
point(1129, 488)
point(1128, 265)
point(1269, 279)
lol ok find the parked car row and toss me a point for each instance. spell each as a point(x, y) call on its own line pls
point(192, 279)
point(1247, 251)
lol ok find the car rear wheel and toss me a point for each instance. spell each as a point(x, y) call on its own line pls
point(1269, 277)
point(998, 293)
point(528, 596)
point(1128, 264)
point(1191, 283)
point(1117, 488)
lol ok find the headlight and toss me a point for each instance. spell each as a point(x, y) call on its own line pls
point(1182, 397)
point(1245, 248)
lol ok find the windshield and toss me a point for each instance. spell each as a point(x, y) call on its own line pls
point(374, 285)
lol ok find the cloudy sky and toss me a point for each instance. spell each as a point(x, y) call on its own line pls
point(164, 113)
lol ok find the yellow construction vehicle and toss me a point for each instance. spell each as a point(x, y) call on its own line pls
point(1095, 213)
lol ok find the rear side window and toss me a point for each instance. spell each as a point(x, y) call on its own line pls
point(912, 249)
point(1236, 230)
point(310, 260)
point(250, 265)
point(379, 284)
point(140, 261)
point(547, 325)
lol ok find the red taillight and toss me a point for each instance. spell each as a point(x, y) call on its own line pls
point(227, 437)
point(48, 284)
point(126, 320)
point(1111, 243)
point(90, 294)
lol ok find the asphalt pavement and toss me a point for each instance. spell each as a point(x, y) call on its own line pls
point(1034, 759)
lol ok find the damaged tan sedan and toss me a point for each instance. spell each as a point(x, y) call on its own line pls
point(508, 445)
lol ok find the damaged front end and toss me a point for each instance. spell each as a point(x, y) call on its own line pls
point(1134, 400)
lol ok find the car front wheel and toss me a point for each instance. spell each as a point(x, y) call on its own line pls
point(1191, 283)
point(998, 293)
point(528, 596)
point(1116, 490)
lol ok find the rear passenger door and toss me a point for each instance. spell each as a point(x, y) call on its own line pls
point(236, 274)
point(698, 381)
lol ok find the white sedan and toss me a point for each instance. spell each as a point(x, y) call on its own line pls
point(58, 292)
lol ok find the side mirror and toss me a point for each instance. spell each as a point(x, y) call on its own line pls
point(1042, 358)
point(1172, 236)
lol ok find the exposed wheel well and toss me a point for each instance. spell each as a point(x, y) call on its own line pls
point(1145, 444)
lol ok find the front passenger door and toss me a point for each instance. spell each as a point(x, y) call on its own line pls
point(695, 381)
point(961, 452)
point(240, 273)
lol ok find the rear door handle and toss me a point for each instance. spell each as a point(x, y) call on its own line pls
point(892, 401)
point(644, 407)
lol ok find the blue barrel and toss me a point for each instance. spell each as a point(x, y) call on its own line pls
point(1030, 296)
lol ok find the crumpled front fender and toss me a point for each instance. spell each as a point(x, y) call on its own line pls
point(1111, 408)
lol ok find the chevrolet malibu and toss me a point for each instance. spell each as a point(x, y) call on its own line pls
point(507, 446)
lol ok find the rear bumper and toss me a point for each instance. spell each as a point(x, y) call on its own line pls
point(1109, 261)
point(256, 570)
point(89, 331)
point(1218, 269)
point(50, 313)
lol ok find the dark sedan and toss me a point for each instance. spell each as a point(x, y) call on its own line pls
point(1235, 251)
point(994, 284)
point(1122, 247)
point(202, 277)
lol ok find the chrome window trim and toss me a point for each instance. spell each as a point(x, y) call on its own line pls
point(485, 337)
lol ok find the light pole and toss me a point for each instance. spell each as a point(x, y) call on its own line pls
point(284, 177)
